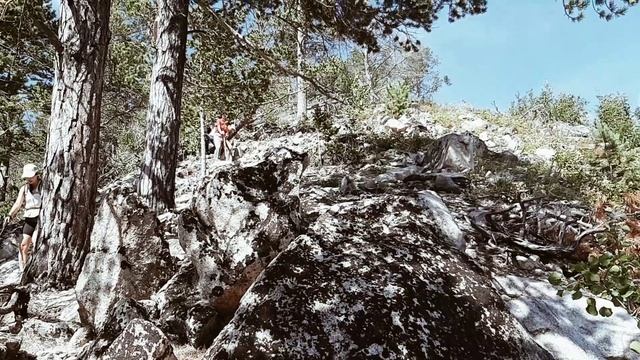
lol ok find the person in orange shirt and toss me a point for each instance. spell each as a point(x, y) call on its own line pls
point(220, 134)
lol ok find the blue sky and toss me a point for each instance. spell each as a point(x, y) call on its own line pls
point(513, 48)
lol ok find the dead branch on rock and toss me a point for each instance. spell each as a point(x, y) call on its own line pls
point(535, 225)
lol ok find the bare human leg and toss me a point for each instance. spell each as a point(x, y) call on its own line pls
point(24, 250)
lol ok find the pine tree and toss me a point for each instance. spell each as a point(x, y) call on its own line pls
point(71, 164)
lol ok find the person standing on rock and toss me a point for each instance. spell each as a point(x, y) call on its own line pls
point(29, 198)
point(220, 134)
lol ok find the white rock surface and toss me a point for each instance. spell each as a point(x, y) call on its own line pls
point(562, 325)
point(545, 154)
point(443, 218)
point(9, 273)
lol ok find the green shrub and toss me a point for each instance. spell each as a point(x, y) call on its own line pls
point(398, 99)
point(609, 275)
point(616, 125)
point(549, 107)
point(322, 121)
point(611, 171)
point(353, 149)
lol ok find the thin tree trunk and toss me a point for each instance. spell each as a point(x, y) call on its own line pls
point(5, 161)
point(367, 74)
point(300, 85)
point(4, 181)
point(156, 183)
point(203, 147)
point(71, 160)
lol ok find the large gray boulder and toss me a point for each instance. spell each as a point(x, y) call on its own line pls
point(455, 153)
point(181, 312)
point(128, 259)
point(373, 279)
point(140, 340)
point(241, 218)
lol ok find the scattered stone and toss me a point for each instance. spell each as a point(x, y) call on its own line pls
point(546, 154)
point(347, 186)
point(472, 123)
point(442, 217)
point(444, 183)
point(525, 263)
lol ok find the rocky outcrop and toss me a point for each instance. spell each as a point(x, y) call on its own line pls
point(10, 240)
point(128, 259)
point(241, 218)
point(140, 340)
point(182, 314)
point(372, 279)
point(263, 258)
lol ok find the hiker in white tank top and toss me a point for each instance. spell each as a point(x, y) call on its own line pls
point(29, 198)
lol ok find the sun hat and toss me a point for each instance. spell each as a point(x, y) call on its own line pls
point(29, 170)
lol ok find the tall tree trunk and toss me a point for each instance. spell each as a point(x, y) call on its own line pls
point(156, 183)
point(367, 74)
point(203, 146)
point(300, 86)
point(71, 160)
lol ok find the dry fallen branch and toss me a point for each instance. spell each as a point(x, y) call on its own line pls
point(536, 226)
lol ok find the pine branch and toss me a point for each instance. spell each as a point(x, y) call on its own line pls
point(50, 34)
point(265, 56)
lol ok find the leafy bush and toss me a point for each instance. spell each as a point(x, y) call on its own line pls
point(616, 124)
point(618, 164)
point(549, 107)
point(612, 168)
point(608, 274)
point(611, 172)
point(346, 150)
point(398, 99)
point(322, 121)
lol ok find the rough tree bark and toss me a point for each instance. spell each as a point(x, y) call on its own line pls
point(300, 85)
point(71, 160)
point(156, 182)
point(4, 180)
point(203, 146)
point(367, 74)
point(5, 162)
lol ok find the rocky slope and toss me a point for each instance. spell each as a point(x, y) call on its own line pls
point(278, 256)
